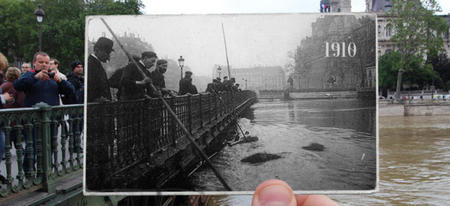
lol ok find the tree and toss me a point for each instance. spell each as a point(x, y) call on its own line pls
point(18, 28)
point(62, 29)
point(387, 70)
point(417, 33)
point(417, 76)
point(441, 64)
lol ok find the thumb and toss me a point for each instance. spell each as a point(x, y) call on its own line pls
point(273, 193)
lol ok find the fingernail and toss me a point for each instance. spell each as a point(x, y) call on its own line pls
point(275, 195)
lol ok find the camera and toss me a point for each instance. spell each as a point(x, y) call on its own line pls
point(51, 75)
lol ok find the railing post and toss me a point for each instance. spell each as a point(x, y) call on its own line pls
point(189, 108)
point(173, 122)
point(200, 110)
point(49, 184)
point(211, 108)
point(216, 111)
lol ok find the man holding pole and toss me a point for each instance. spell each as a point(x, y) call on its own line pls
point(134, 83)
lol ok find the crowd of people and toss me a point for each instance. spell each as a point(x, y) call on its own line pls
point(134, 80)
point(142, 77)
point(38, 81)
point(217, 85)
point(43, 82)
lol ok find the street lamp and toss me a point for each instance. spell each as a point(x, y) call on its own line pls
point(181, 64)
point(219, 70)
point(40, 14)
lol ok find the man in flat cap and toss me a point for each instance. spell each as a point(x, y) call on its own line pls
point(98, 85)
point(158, 79)
point(135, 81)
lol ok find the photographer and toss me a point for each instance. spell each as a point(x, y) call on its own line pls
point(42, 85)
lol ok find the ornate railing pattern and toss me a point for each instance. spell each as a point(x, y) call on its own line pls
point(121, 135)
point(47, 146)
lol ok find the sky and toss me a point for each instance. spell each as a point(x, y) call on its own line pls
point(248, 6)
point(252, 40)
point(199, 38)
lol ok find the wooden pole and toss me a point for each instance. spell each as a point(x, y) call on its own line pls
point(226, 52)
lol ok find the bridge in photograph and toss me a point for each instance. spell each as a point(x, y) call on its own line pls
point(127, 142)
point(328, 93)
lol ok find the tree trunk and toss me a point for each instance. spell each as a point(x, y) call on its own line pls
point(399, 84)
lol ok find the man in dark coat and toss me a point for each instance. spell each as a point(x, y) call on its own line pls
point(98, 90)
point(135, 81)
point(98, 85)
point(158, 78)
point(186, 85)
point(210, 88)
point(76, 78)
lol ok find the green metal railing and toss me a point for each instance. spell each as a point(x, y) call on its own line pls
point(42, 144)
point(121, 135)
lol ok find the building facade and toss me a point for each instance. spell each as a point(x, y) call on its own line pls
point(385, 29)
point(341, 5)
point(335, 6)
point(339, 55)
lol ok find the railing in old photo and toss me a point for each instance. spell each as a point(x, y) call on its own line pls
point(121, 135)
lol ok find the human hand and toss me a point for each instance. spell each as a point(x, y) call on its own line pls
point(276, 192)
point(8, 98)
point(42, 75)
point(158, 93)
point(57, 77)
point(147, 80)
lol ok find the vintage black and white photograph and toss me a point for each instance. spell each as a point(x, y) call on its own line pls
point(222, 102)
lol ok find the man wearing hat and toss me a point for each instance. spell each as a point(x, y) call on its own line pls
point(186, 85)
point(77, 79)
point(135, 81)
point(158, 78)
point(97, 79)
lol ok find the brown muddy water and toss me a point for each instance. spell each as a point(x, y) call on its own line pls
point(414, 165)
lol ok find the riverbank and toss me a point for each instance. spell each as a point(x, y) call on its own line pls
point(414, 109)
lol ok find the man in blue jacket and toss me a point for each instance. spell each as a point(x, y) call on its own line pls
point(41, 84)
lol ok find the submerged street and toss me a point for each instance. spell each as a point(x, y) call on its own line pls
point(345, 127)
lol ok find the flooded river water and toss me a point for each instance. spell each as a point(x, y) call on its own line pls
point(345, 127)
point(414, 165)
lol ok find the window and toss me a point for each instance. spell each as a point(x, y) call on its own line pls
point(388, 30)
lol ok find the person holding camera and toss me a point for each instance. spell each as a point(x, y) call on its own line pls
point(42, 85)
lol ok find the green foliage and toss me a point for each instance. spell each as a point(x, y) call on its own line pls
point(388, 66)
point(441, 64)
point(18, 31)
point(62, 28)
point(418, 34)
point(417, 76)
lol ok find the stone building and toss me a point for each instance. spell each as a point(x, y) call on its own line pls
point(386, 30)
point(339, 55)
point(336, 5)
point(341, 5)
